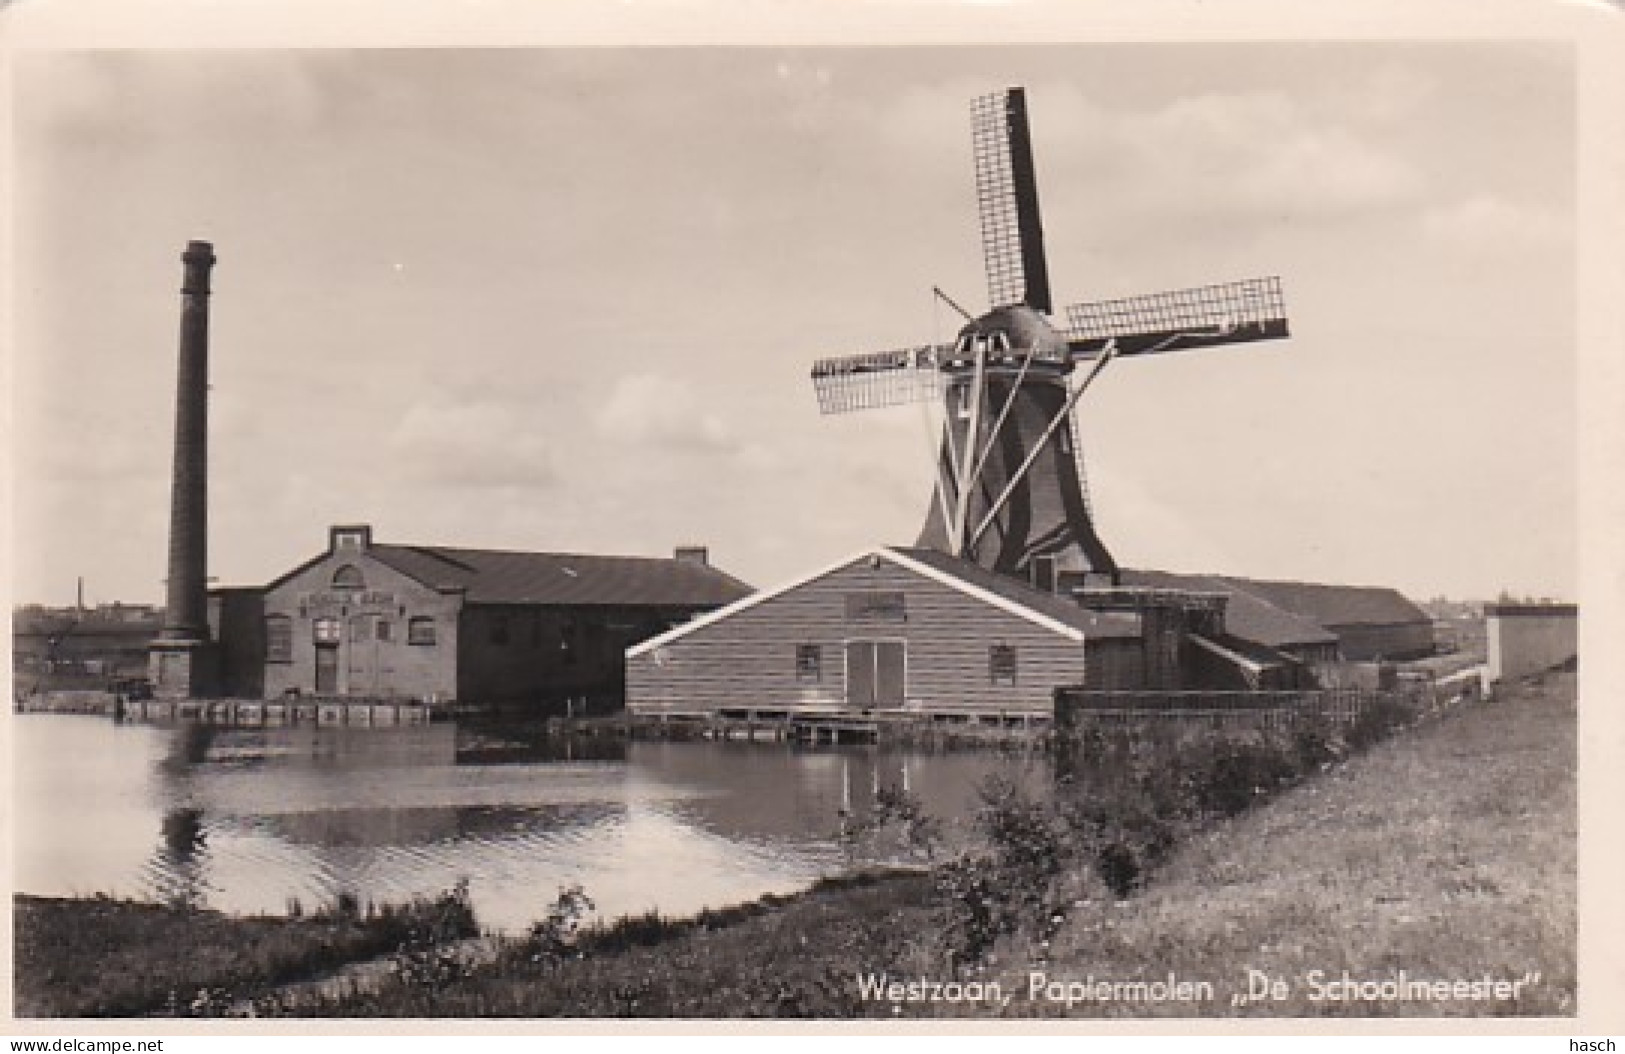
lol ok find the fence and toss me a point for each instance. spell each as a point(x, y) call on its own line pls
point(1076, 708)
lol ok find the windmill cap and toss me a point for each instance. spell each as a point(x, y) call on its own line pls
point(1022, 326)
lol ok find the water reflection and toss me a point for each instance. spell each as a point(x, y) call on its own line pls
point(244, 820)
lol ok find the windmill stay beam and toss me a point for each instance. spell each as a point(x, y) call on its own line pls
point(1038, 448)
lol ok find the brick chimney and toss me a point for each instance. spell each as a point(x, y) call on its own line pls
point(692, 554)
point(181, 661)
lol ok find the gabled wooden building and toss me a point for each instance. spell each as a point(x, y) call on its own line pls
point(889, 629)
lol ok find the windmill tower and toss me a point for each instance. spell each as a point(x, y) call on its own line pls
point(1010, 491)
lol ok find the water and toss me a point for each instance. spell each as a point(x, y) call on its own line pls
point(243, 820)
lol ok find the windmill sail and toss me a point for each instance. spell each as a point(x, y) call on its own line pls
point(881, 378)
point(1007, 201)
point(1228, 313)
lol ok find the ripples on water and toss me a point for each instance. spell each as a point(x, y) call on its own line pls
point(246, 820)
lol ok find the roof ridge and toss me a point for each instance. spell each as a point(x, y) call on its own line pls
point(1314, 585)
point(429, 551)
point(440, 550)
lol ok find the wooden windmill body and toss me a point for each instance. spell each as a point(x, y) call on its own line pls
point(1011, 493)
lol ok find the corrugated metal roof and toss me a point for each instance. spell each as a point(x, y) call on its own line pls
point(1247, 615)
point(490, 576)
point(1091, 623)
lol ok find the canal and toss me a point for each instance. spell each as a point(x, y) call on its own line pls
point(245, 820)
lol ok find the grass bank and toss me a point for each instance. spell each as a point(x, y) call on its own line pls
point(1447, 852)
point(101, 957)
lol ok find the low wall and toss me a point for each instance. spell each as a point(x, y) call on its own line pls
point(251, 714)
point(1529, 638)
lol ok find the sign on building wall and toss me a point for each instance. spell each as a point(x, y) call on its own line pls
point(362, 600)
point(876, 606)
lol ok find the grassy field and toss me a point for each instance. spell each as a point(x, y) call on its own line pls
point(1447, 852)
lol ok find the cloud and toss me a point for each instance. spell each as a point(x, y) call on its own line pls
point(477, 445)
point(1485, 221)
point(1261, 153)
point(657, 411)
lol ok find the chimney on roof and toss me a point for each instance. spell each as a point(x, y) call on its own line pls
point(354, 537)
point(692, 554)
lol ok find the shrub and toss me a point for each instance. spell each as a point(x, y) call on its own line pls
point(898, 827)
point(1011, 884)
point(1239, 771)
point(1378, 720)
point(427, 956)
point(549, 941)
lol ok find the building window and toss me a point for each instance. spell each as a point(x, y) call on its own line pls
point(1001, 664)
point(499, 630)
point(385, 629)
point(351, 537)
point(809, 663)
point(1043, 572)
point(420, 630)
point(278, 638)
point(326, 631)
point(349, 577)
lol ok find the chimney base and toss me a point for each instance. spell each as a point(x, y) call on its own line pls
point(183, 669)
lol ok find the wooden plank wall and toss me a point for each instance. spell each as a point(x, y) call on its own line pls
point(749, 658)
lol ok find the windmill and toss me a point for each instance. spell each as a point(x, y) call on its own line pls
point(1010, 491)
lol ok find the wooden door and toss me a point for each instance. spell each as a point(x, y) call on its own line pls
point(860, 674)
point(875, 673)
point(890, 667)
point(327, 669)
point(363, 657)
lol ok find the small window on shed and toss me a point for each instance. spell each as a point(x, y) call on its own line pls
point(420, 630)
point(278, 638)
point(1001, 664)
point(809, 663)
point(349, 577)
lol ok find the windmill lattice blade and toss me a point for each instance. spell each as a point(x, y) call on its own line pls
point(1228, 313)
point(1007, 201)
point(882, 378)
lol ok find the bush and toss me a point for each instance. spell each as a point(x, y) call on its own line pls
point(1385, 715)
point(427, 956)
point(1238, 772)
point(550, 940)
point(898, 827)
point(1009, 886)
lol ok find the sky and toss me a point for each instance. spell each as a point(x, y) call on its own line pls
point(567, 299)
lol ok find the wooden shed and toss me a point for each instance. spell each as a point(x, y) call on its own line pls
point(888, 629)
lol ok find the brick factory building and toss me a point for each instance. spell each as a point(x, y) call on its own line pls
point(512, 629)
